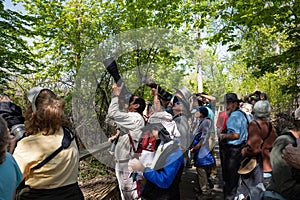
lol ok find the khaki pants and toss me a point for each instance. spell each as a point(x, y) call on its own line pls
point(203, 174)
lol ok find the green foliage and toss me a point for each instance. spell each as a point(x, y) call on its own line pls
point(69, 29)
point(262, 36)
point(90, 168)
point(252, 20)
point(16, 59)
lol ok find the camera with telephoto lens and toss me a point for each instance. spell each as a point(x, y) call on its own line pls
point(12, 114)
point(162, 93)
point(18, 131)
point(112, 68)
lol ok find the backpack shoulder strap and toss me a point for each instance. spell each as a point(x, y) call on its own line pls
point(257, 124)
point(270, 130)
point(131, 142)
point(66, 141)
point(244, 115)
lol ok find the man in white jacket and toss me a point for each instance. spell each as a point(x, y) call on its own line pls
point(130, 124)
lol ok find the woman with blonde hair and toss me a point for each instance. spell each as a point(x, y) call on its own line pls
point(44, 122)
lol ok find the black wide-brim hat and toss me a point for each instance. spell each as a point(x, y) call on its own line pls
point(231, 97)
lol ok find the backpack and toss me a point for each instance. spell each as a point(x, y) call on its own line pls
point(269, 131)
point(260, 193)
point(295, 172)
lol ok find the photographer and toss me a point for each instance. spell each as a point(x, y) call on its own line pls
point(126, 112)
point(12, 114)
point(254, 97)
point(163, 174)
point(285, 177)
point(45, 129)
point(165, 98)
point(130, 124)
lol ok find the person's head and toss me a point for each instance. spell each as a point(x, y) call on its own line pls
point(4, 139)
point(182, 106)
point(172, 102)
point(159, 132)
point(247, 107)
point(232, 102)
point(200, 102)
point(257, 94)
point(263, 96)
point(204, 99)
point(45, 113)
point(262, 109)
point(202, 112)
point(177, 107)
point(136, 104)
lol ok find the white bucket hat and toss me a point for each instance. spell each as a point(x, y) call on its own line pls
point(32, 95)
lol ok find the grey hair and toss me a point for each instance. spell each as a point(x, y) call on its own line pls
point(262, 109)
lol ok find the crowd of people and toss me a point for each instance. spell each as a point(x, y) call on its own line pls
point(154, 142)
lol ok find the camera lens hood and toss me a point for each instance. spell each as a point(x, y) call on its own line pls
point(18, 131)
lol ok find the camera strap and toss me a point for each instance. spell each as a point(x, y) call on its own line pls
point(66, 141)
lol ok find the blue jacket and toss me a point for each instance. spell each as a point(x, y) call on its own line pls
point(163, 183)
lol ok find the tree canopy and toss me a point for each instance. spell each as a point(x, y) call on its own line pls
point(16, 57)
point(262, 38)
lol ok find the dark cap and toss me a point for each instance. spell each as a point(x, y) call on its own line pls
point(203, 110)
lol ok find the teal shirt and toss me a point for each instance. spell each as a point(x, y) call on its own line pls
point(10, 177)
point(211, 115)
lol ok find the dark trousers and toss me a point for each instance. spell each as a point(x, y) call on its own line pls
point(231, 158)
point(69, 192)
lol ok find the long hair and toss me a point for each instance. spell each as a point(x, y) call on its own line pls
point(49, 116)
point(4, 139)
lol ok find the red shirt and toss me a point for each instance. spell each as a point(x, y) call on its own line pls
point(221, 122)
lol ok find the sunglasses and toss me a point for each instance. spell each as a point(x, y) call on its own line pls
point(178, 102)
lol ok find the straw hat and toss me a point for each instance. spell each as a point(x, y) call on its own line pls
point(247, 165)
